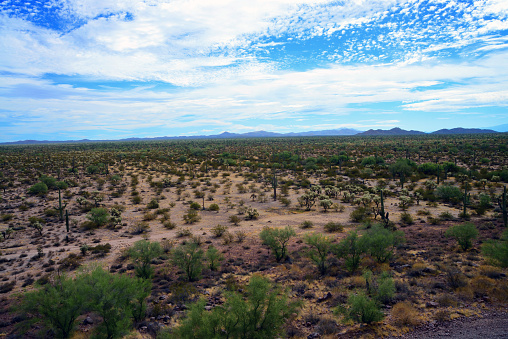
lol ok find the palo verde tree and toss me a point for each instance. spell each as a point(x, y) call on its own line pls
point(277, 239)
point(319, 249)
point(142, 253)
point(258, 313)
point(403, 168)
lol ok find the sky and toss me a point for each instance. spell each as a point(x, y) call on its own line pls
point(112, 69)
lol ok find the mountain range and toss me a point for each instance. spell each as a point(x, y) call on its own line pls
point(264, 134)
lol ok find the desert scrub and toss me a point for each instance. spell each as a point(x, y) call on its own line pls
point(497, 250)
point(191, 216)
point(140, 227)
point(361, 309)
point(360, 214)
point(333, 227)
point(183, 232)
point(464, 234)
point(142, 253)
point(277, 239)
point(306, 224)
point(319, 248)
point(213, 257)
point(219, 230)
point(406, 218)
point(234, 219)
point(405, 314)
point(189, 258)
point(260, 312)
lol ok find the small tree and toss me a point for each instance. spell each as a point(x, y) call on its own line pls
point(57, 303)
point(99, 216)
point(191, 216)
point(320, 247)
point(497, 251)
point(352, 250)
point(277, 239)
point(464, 234)
point(142, 253)
point(380, 242)
point(214, 258)
point(114, 297)
point(259, 313)
point(39, 188)
point(362, 309)
point(189, 258)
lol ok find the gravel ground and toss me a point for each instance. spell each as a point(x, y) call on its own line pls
point(493, 324)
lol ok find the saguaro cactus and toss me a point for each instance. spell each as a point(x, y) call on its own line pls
point(67, 221)
point(274, 185)
point(465, 201)
point(60, 208)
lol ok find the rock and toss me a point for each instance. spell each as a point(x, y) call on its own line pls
point(208, 308)
point(431, 304)
point(162, 297)
point(88, 321)
point(326, 297)
point(314, 335)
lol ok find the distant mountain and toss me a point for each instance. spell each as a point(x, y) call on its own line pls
point(464, 131)
point(499, 128)
point(264, 134)
point(393, 131)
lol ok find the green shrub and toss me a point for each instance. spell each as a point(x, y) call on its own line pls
point(195, 206)
point(362, 309)
point(153, 204)
point(406, 218)
point(320, 247)
point(277, 239)
point(386, 288)
point(260, 313)
point(189, 258)
point(306, 224)
point(219, 230)
point(115, 298)
point(446, 216)
point(359, 214)
point(464, 234)
point(168, 224)
point(332, 227)
point(497, 251)
point(214, 208)
point(39, 188)
point(352, 250)
point(99, 216)
point(191, 216)
point(142, 253)
point(380, 242)
point(448, 193)
point(214, 258)
point(58, 304)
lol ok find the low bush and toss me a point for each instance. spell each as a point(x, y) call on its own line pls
point(464, 234)
point(218, 230)
point(306, 224)
point(406, 218)
point(362, 309)
point(333, 227)
point(405, 314)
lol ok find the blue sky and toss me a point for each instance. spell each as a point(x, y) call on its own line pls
point(110, 69)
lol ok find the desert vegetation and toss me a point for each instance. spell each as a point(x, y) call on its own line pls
point(251, 238)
